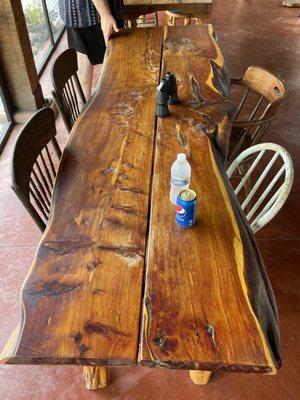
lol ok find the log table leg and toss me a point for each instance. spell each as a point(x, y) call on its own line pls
point(96, 377)
point(200, 377)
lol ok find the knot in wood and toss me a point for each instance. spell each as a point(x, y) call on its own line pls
point(160, 339)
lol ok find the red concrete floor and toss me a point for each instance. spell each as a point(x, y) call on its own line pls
point(258, 32)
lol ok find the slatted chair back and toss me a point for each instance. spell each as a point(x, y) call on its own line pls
point(143, 21)
point(67, 94)
point(261, 100)
point(271, 167)
point(175, 16)
point(34, 164)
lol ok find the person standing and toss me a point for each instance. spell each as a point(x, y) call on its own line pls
point(89, 25)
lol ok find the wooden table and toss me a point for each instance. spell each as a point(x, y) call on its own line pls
point(113, 269)
point(134, 8)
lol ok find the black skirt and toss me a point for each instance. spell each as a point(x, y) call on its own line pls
point(89, 41)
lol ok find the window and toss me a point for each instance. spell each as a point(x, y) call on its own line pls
point(5, 116)
point(44, 28)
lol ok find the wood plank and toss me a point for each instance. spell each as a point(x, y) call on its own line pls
point(208, 303)
point(81, 300)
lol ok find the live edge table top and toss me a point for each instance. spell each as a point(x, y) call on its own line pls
point(115, 281)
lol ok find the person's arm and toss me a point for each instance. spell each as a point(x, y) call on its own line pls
point(108, 23)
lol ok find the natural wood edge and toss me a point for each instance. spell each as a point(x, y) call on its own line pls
point(200, 377)
point(9, 348)
point(96, 377)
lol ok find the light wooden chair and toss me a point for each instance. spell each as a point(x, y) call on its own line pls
point(174, 16)
point(266, 200)
point(263, 95)
point(67, 94)
point(34, 166)
point(143, 21)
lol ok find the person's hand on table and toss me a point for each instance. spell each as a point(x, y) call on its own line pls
point(108, 25)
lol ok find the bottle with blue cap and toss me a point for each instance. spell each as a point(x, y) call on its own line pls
point(180, 176)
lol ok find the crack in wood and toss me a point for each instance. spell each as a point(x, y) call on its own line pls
point(211, 334)
point(114, 221)
point(63, 247)
point(130, 189)
point(105, 331)
point(51, 288)
point(125, 209)
point(204, 123)
point(196, 90)
point(127, 164)
point(107, 170)
point(96, 291)
point(125, 251)
point(183, 141)
point(220, 79)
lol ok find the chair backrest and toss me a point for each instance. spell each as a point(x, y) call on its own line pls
point(34, 165)
point(266, 199)
point(260, 102)
point(68, 94)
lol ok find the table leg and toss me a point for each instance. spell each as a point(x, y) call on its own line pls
point(96, 377)
point(200, 377)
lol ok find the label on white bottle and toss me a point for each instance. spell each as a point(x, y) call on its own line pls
point(179, 182)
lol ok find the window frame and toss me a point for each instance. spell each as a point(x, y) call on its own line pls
point(6, 130)
point(53, 41)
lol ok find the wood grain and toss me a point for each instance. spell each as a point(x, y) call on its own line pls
point(81, 300)
point(208, 304)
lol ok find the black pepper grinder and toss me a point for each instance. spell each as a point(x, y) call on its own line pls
point(173, 93)
point(162, 97)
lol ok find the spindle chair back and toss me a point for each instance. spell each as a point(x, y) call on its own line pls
point(143, 21)
point(175, 16)
point(263, 95)
point(273, 182)
point(67, 94)
point(35, 159)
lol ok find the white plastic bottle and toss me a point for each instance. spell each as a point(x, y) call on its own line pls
point(180, 176)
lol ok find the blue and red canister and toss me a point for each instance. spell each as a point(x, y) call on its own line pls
point(186, 208)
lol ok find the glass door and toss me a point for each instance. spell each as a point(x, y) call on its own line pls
point(44, 28)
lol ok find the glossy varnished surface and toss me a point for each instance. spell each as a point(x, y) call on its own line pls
point(280, 245)
point(208, 303)
point(82, 298)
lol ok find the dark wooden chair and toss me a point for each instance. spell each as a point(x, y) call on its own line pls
point(67, 94)
point(34, 167)
point(262, 96)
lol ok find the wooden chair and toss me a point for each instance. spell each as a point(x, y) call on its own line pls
point(68, 94)
point(144, 21)
point(174, 16)
point(34, 167)
point(262, 97)
point(271, 189)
